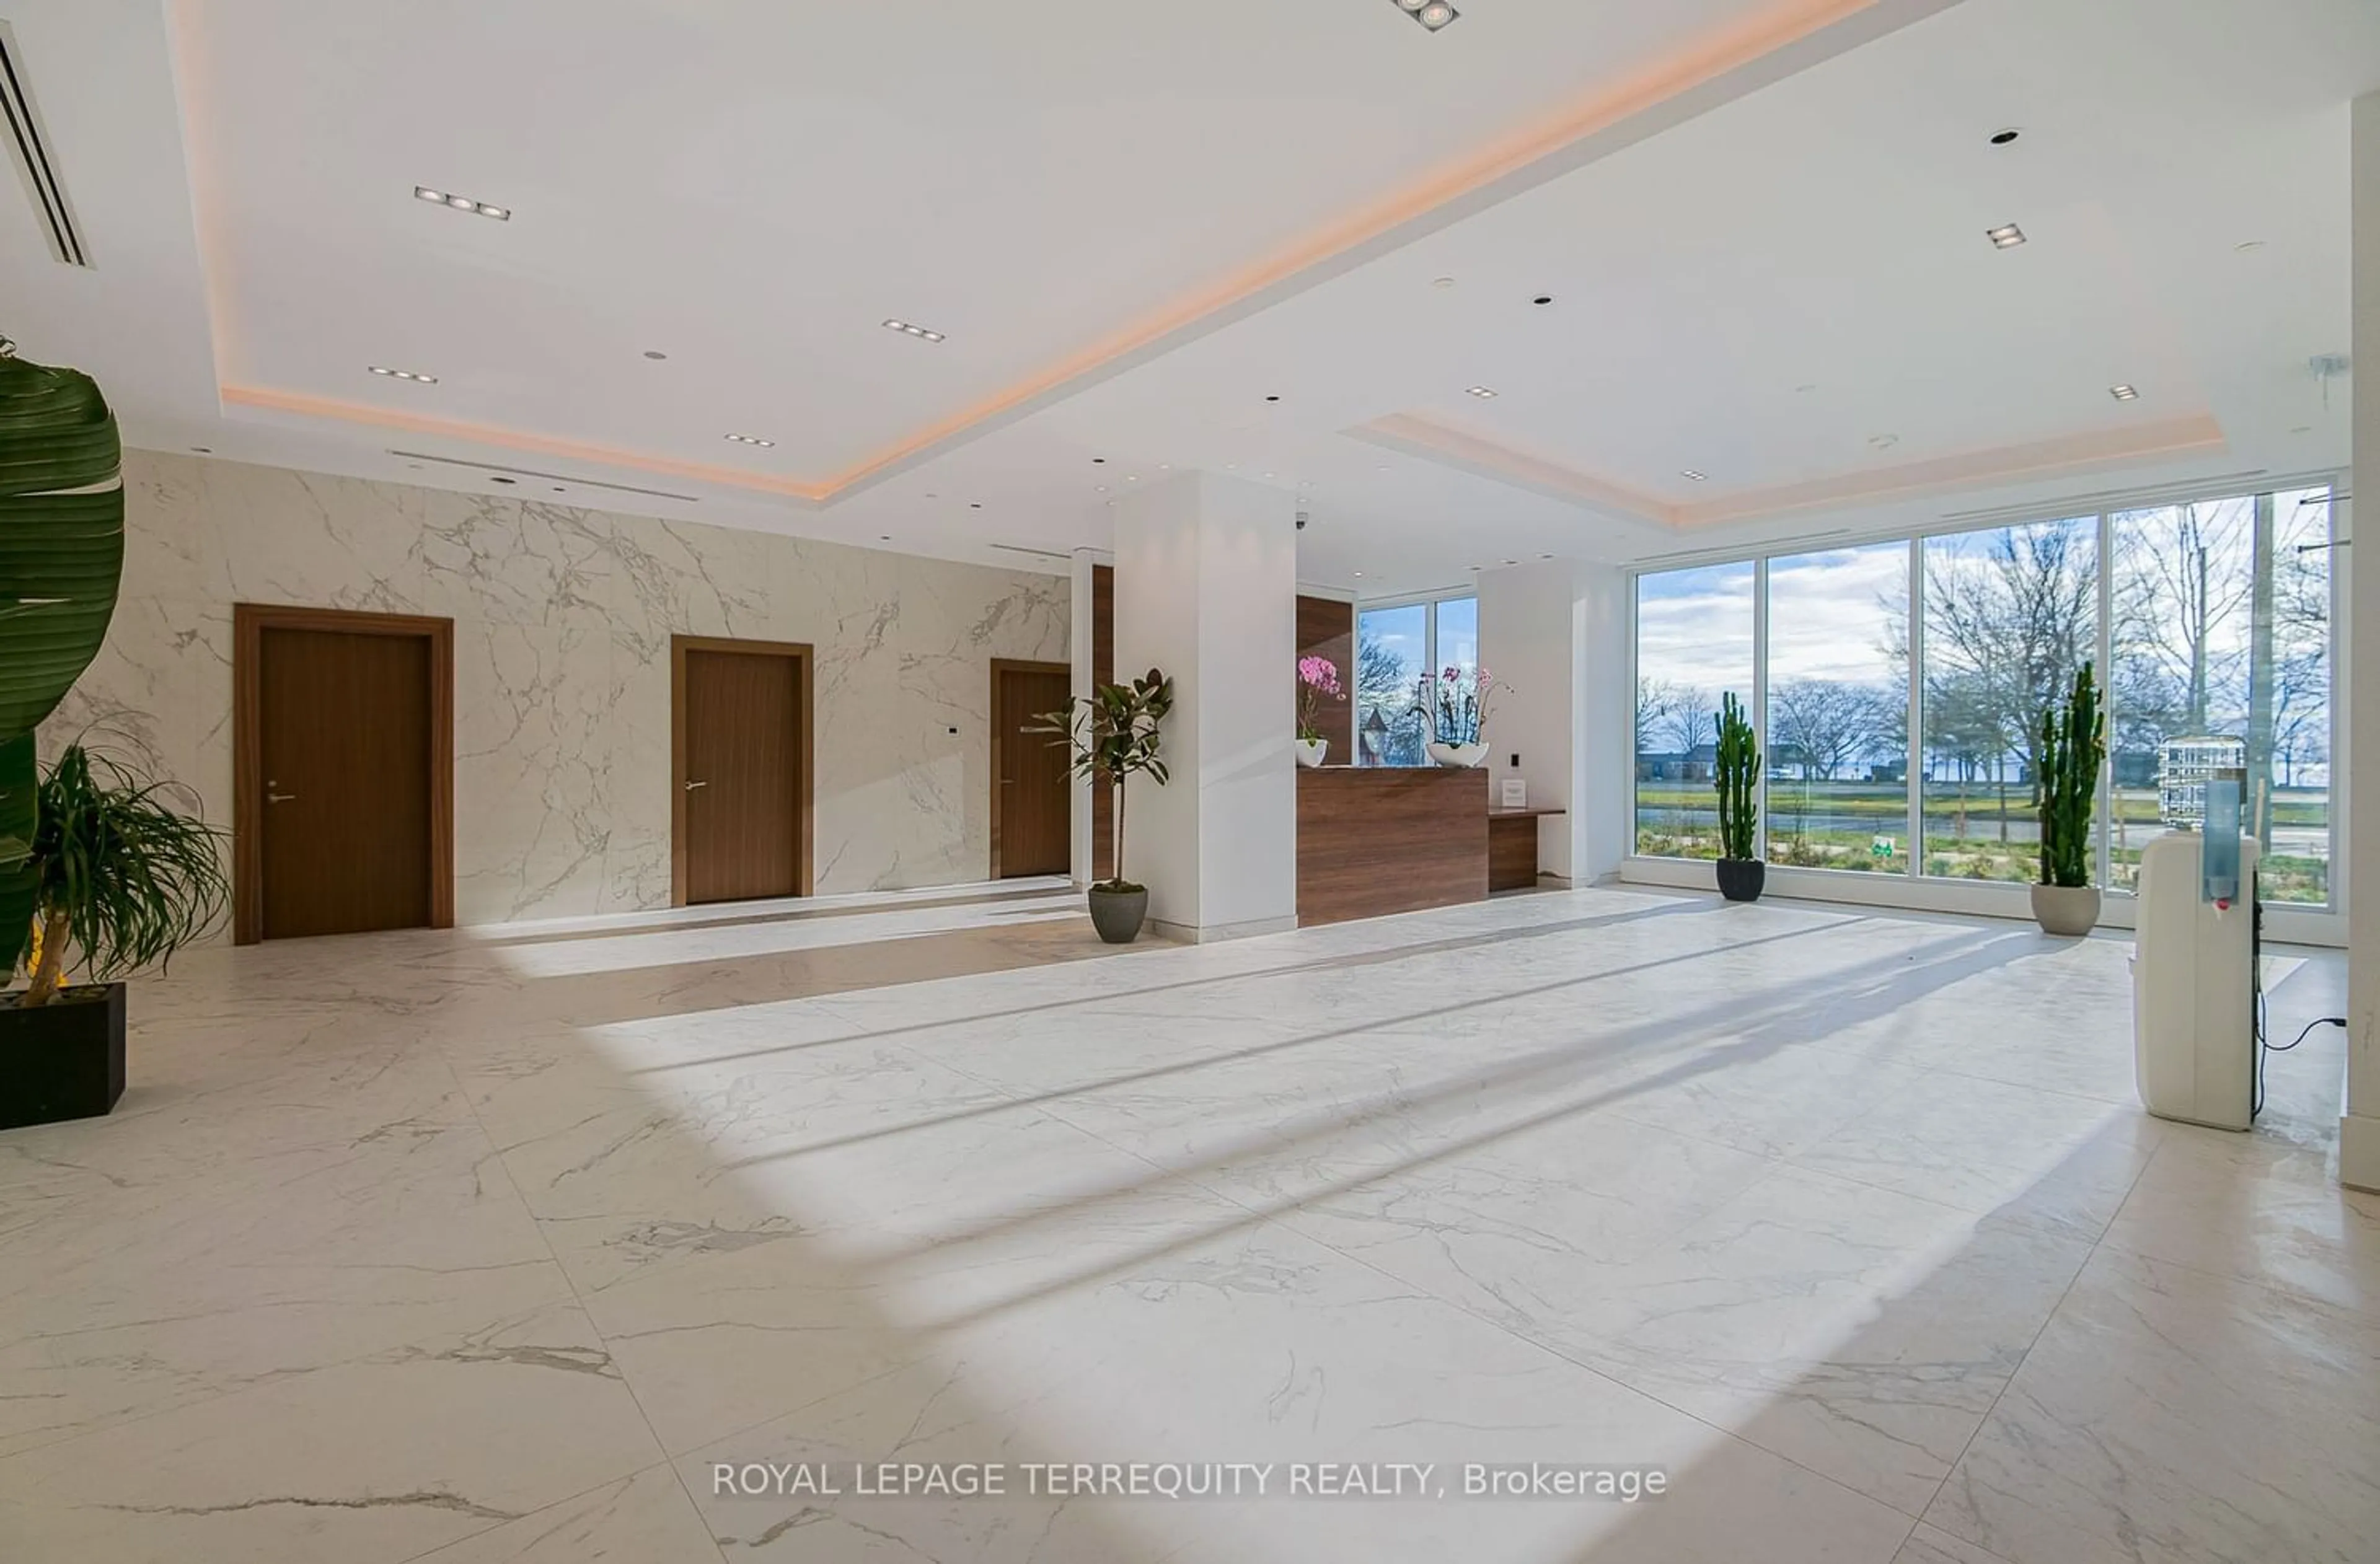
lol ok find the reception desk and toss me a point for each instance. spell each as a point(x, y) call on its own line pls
point(1373, 839)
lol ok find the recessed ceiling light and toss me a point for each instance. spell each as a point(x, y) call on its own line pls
point(1543, 298)
point(204, 450)
point(2005, 138)
point(1431, 14)
point(1697, 477)
point(975, 504)
point(403, 374)
point(651, 353)
point(1165, 467)
point(1273, 398)
point(2007, 235)
point(751, 439)
point(1884, 441)
point(1544, 556)
point(1098, 488)
point(1359, 575)
point(503, 480)
point(2123, 393)
point(1441, 282)
point(1132, 477)
point(462, 203)
point(1267, 475)
point(1512, 562)
point(2246, 246)
point(920, 333)
point(1098, 461)
point(1481, 391)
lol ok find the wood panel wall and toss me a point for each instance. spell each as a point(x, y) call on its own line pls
point(1326, 628)
point(1102, 672)
point(1374, 840)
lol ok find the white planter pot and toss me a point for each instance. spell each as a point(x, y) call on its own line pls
point(1461, 757)
point(2067, 910)
point(1310, 751)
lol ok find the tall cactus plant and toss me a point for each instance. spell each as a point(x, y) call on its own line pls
point(1736, 774)
point(2073, 747)
point(61, 558)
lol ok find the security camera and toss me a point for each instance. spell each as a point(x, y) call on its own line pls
point(1301, 521)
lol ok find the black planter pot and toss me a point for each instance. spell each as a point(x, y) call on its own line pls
point(63, 1061)
point(1740, 879)
point(1118, 914)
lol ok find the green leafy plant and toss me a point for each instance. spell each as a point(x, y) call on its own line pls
point(119, 876)
point(1112, 733)
point(2073, 747)
point(1736, 775)
point(60, 559)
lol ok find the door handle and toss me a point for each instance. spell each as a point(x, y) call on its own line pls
point(692, 785)
point(279, 799)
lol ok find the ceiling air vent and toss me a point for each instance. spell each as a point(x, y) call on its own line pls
point(31, 146)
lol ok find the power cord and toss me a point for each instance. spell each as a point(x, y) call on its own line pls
point(2338, 1021)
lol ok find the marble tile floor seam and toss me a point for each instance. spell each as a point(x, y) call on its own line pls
point(626, 1381)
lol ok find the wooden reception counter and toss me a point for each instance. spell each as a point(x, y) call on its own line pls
point(1373, 839)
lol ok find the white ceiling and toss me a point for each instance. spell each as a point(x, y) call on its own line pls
point(1135, 223)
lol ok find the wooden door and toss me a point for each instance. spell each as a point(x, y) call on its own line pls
point(344, 757)
point(1032, 805)
point(743, 816)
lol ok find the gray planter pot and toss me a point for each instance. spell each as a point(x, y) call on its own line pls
point(2066, 909)
point(1118, 914)
point(1740, 879)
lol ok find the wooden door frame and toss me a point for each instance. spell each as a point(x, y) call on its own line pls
point(250, 622)
point(805, 658)
point(1017, 665)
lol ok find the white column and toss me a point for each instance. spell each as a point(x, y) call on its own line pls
point(1079, 640)
point(1525, 642)
point(2359, 1129)
point(1206, 591)
point(1554, 634)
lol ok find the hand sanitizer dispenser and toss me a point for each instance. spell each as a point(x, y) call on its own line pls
point(2194, 969)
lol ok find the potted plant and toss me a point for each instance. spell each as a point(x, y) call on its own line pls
point(1317, 680)
point(2073, 748)
point(1456, 705)
point(124, 881)
point(61, 558)
point(1111, 735)
point(1735, 773)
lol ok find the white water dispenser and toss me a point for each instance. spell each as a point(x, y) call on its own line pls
point(2194, 969)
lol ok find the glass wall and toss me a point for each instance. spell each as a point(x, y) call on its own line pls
point(2210, 618)
point(2010, 615)
point(1392, 649)
point(1395, 648)
point(1457, 627)
point(1838, 729)
point(1694, 644)
point(2289, 741)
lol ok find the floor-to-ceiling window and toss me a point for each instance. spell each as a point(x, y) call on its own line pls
point(2222, 630)
point(2206, 618)
point(1695, 636)
point(1396, 647)
point(1838, 766)
point(2010, 615)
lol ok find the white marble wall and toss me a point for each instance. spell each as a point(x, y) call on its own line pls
point(563, 619)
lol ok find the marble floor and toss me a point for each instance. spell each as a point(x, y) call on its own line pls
point(496, 1245)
